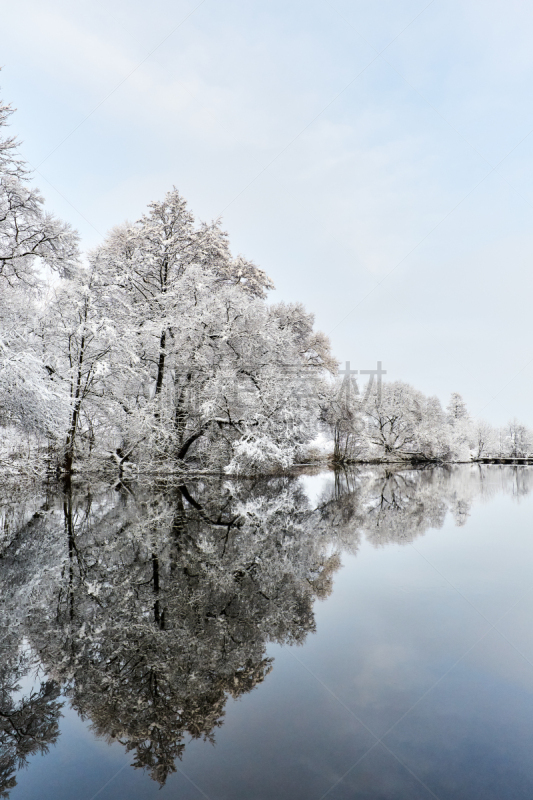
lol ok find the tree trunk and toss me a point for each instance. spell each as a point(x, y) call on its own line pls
point(71, 435)
point(71, 438)
point(161, 363)
point(160, 371)
point(188, 442)
point(180, 415)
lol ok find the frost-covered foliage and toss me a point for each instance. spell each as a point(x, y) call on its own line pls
point(170, 354)
point(30, 239)
point(158, 352)
point(399, 423)
point(213, 374)
point(395, 423)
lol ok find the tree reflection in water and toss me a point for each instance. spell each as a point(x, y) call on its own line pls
point(149, 608)
point(28, 723)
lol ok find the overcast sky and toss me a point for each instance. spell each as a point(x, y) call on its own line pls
point(375, 158)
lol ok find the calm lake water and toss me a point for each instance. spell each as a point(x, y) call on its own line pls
point(365, 635)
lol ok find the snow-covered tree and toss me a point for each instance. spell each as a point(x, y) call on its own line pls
point(518, 440)
point(463, 443)
point(485, 439)
point(402, 423)
point(221, 377)
point(30, 239)
point(79, 343)
point(162, 350)
point(342, 416)
point(456, 408)
point(28, 234)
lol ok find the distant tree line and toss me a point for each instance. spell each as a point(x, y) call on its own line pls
point(401, 423)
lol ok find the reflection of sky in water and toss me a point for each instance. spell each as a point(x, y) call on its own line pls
point(315, 485)
point(427, 644)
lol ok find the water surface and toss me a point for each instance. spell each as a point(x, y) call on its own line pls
point(364, 635)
